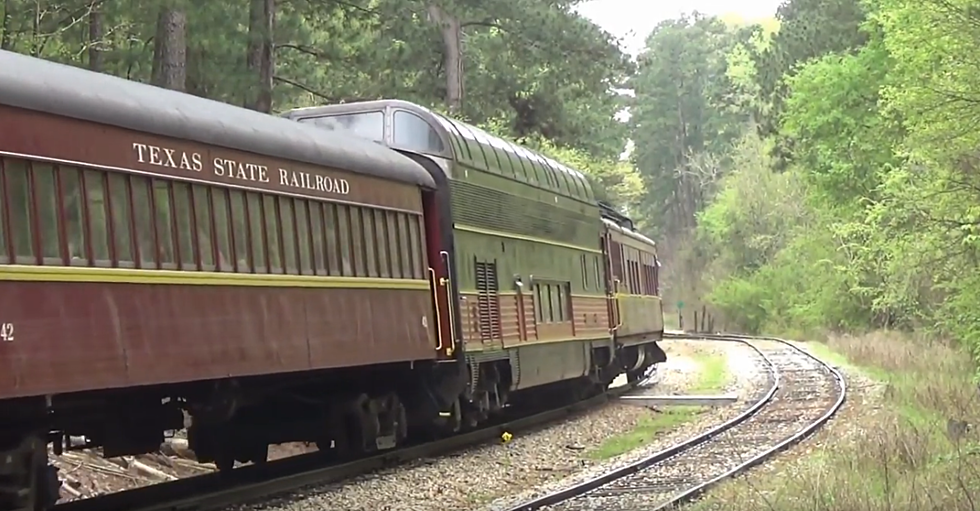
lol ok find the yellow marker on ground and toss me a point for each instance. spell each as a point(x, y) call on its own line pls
point(506, 436)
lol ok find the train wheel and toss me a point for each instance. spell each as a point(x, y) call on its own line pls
point(224, 462)
point(634, 376)
point(450, 422)
point(51, 486)
point(257, 454)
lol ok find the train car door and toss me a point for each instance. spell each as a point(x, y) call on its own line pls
point(612, 280)
point(440, 278)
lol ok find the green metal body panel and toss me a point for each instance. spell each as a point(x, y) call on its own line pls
point(525, 230)
point(640, 315)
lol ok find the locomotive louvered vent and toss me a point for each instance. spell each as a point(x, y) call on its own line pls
point(488, 300)
point(479, 206)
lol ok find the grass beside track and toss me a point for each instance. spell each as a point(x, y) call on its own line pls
point(713, 376)
point(898, 444)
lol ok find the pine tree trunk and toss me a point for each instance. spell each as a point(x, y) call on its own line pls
point(95, 34)
point(452, 42)
point(170, 50)
point(261, 58)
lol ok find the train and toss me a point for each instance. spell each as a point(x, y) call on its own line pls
point(353, 276)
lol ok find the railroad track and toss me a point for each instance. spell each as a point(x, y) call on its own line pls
point(252, 483)
point(804, 393)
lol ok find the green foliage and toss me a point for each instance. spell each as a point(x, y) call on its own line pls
point(684, 115)
point(860, 207)
point(539, 67)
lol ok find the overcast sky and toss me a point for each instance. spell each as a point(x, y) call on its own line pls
point(633, 20)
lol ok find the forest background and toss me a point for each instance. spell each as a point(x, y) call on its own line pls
point(813, 172)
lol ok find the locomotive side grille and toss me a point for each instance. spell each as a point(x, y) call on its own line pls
point(488, 300)
point(479, 206)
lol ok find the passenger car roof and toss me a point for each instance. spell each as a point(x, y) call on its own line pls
point(62, 90)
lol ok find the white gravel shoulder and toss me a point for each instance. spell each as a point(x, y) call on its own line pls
point(749, 376)
point(530, 464)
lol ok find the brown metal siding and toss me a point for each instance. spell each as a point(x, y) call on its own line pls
point(530, 321)
point(591, 316)
point(80, 336)
point(48, 136)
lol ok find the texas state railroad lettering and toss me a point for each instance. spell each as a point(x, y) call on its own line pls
point(234, 170)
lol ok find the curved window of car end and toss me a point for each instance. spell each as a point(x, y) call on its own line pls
point(369, 124)
point(410, 132)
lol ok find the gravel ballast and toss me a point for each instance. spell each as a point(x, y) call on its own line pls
point(536, 462)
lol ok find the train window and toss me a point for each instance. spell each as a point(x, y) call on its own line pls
point(164, 224)
point(202, 212)
point(98, 216)
point(616, 260)
point(651, 280)
point(552, 302)
point(256, 231)
point(4, 225)
point(595, 266)
point(288, 224)
point(73, 213)
point(222, 229)
point(142, 222)
point(183, 212)
point(404, 246)
point(345, 248)
point(636, 278)
point(414, 134)
point(394, 247)
point(539, 303)
point(370, 235)
point(319, 238)
point(239, 230)
point(455, 138)
point(479, 158)
point(332, 247)
point(545, 303)
point(45, 198)
point(383, 237)
point(273, 240)
point(121, 215)
point(415, 239)
point(558, 303)
point(564, 302)
point(303, 235)
point(357, 241)
point(369, 125)
point(19, 193)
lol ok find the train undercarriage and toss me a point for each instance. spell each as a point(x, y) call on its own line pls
point(231, 421)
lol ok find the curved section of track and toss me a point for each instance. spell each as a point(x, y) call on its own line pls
point(255, 482)
point(804, 394)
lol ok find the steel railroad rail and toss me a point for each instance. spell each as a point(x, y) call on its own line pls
point(805, 393)
point(252, 483)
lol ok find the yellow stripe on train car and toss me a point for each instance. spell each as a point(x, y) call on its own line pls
point(198, 278)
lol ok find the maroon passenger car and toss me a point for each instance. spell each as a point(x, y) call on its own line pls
point(161, 253)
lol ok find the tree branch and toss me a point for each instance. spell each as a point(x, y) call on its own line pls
point(489, 22)
point(318, 94)
point(300, 48)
